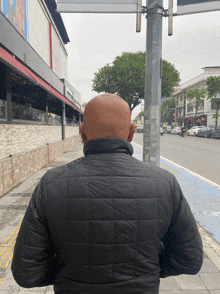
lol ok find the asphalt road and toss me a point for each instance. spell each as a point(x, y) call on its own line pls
point(199, 155)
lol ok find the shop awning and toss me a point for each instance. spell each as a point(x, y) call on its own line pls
point(11, 61)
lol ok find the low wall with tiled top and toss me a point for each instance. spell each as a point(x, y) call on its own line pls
point(19, 138)
point(15, 169)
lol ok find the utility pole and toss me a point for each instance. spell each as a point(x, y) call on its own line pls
point(152, 96)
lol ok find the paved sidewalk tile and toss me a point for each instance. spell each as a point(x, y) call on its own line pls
point(32, 291)
point(213, 256)
point(211, 280)
point(169, 284)
point(190, 282)
point(186, 292)
point(208, 267)
point(8, 283)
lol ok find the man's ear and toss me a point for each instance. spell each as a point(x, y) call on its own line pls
point(82, 132)
point(131, 134)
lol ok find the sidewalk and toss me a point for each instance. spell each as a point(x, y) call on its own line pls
point(14, 204)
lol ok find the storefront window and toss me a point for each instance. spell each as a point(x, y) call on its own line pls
point(28, 113)
point(214, 106)
point(70, 122)
point(201, 105)
point(189, 108)
point(2, 109)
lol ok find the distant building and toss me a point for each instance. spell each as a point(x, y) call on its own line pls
point(185, 112)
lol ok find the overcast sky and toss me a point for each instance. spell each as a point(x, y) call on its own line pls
point(96, 39)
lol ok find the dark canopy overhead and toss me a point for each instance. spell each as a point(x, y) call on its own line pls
point(51, 4)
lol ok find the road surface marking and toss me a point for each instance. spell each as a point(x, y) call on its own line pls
point(212, 213)
point(8, 251)
point(6, 247)
point(8, 243)
point(10, 235)
point(189, 171)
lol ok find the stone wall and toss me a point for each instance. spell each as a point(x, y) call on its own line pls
point(19, 138)
point(15, 169)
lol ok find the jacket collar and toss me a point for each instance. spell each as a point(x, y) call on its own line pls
point(107, 145)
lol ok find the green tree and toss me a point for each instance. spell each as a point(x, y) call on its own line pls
point(213, 87)
point(84, 104)
point(167, 108)
point(196, 96)
point(170, 78)
point(126, 78)
point(140, 115)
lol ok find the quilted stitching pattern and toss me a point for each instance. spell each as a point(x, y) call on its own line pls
point(106, 215)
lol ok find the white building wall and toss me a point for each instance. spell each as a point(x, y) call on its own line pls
point(77, 96)
point(39, 38)
point(63, 63)
point(56, 53)
point(38, 26)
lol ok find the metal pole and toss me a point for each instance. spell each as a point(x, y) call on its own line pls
point(63, 121)
point(151, 138)
point(175, 109)
point(46, 114)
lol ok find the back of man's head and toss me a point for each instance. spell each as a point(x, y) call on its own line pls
point(107, 115)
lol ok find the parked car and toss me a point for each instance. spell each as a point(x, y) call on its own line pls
point(168, 129)
point(176, 131)
point(194, 130)
point(161, 130)
point(173, 131)
point(205, 132)
point(139, 129)
point(216, 133)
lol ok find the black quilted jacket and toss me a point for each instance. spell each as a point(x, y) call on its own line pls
point(106, 224)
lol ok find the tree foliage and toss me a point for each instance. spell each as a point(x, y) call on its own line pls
point(167, 107)
point(126, 78)
point(195, 96)
point(213, 87)
point(170, 78)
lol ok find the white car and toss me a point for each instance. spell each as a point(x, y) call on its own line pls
point(176, 131)
point(194, 130)
point(173, 131)
point(140, 129)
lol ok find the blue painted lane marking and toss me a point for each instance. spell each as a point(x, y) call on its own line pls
point(203, 198)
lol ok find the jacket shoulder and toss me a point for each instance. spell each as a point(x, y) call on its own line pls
point(144, 169)
point(59, 171)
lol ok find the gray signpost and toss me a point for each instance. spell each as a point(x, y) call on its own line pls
point(151, 138)
point(154, 11)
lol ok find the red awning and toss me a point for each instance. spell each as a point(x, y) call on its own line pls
point(12, 61)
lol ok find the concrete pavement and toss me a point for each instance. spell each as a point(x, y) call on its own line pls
point(14, 204)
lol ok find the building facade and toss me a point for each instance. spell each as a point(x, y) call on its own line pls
point(33, 61)
point(185, 111)
point(39, 116)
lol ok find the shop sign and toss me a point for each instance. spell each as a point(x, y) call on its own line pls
point(202, 118)
point(189, 118)
point(196, 6)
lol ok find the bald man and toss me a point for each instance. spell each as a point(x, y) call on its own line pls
point(106, 223)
